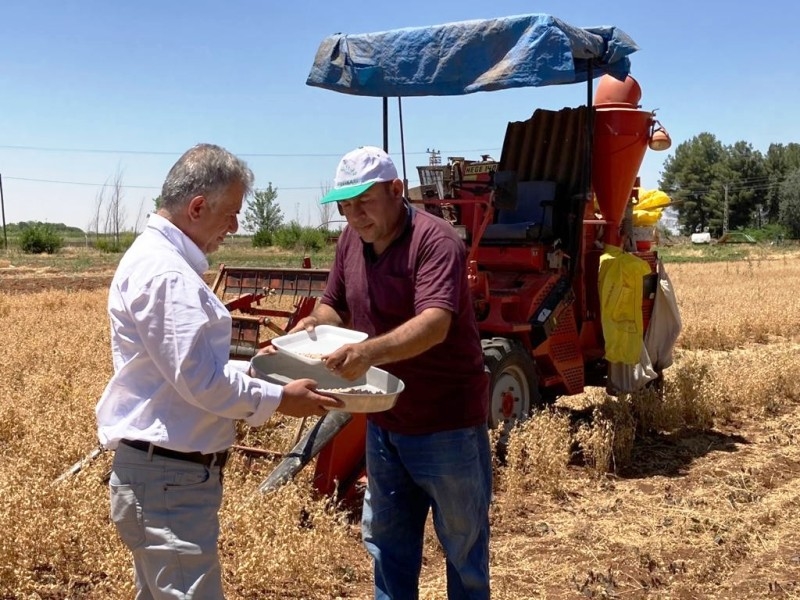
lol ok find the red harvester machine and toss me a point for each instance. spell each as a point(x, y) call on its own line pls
point(534, 223)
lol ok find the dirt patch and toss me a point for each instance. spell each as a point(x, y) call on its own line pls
point(14, 282)
point(27, 280)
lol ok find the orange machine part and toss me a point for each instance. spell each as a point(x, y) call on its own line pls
point(611, 90)
point(620, 142)
point(341, 463)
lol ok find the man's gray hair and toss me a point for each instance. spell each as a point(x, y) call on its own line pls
point(204, 170)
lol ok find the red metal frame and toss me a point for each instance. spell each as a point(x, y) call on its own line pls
point(246, 291)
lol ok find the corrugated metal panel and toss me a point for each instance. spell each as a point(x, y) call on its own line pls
point(548, 147)
point(551, 146)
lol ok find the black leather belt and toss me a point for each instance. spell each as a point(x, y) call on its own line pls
point(217, 459)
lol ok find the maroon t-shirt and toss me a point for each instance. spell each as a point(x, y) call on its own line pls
point(446, 386)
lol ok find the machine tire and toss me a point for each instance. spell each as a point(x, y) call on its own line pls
point(513, 385)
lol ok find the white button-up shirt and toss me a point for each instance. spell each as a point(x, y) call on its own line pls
point(173, 383)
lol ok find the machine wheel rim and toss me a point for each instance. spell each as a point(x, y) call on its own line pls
point(510, 382)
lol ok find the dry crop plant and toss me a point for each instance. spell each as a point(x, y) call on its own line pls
point(58, 541)
point(606, 442)
point(727, 305)
point(55, 540)
point(537, 456)
point(736, 362)
point(739, 348)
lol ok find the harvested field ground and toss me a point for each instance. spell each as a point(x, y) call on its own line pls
point(697, 496)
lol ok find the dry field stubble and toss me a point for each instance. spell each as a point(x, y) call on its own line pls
point(695, 497)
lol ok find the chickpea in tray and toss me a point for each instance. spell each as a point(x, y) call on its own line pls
point(311, 347)
point(351, 390)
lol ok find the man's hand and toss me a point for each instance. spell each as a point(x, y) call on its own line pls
point(268, 349)
point(350, 361)
point(300, 399)
point(321, 315)
point(305, 324)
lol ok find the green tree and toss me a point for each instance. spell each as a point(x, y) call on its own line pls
point(715, 186)
point(742, 184)
point(263, 215)
point(789, 205)
point(157, 202)
point(779, 161)
point(687, 178)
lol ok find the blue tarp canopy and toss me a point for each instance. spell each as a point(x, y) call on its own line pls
point(469, 56)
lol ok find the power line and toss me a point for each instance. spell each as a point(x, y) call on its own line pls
point(158, 187)
point(733, 188)
point(89, 150)
point(242, 154)
point(125, 185)
point(166, 153)
point(143, 187)
point(154, 152)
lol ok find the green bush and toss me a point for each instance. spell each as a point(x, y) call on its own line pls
point(40, 238)
point(313, 239)
point(110, 246)
point(771, 232)
point(107, 245)
point(295, 237)
point(262, 238)
point(288, 236)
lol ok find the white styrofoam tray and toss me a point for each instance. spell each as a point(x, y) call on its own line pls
point(311, 347)
point(381, 386)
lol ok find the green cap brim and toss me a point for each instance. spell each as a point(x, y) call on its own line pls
point(346, 193)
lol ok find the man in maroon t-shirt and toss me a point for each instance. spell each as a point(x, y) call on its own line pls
point(400, 275)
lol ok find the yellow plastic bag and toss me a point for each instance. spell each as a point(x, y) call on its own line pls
point(647, 211)
point(620, 282)
point(645, 218)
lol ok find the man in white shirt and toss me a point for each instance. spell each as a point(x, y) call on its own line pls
point(170, 407)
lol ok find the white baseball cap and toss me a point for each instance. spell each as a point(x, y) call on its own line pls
point(357, 171)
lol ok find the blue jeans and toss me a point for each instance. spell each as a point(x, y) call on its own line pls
point(165, 512)
point(449, 472)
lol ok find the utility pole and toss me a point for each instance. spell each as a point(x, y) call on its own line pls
point(725, 211)
point(3, 208)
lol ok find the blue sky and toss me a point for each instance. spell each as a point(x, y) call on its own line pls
point(89, 89)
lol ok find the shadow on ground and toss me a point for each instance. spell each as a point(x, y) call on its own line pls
point(671, 454)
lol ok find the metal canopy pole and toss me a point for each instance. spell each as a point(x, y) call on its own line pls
point(589, 147)
point(386, 124)
point(402, 146)
point(585, 195)
point(402, 138)
point(3, 208)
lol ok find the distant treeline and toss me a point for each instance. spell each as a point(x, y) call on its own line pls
point(59, 228)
